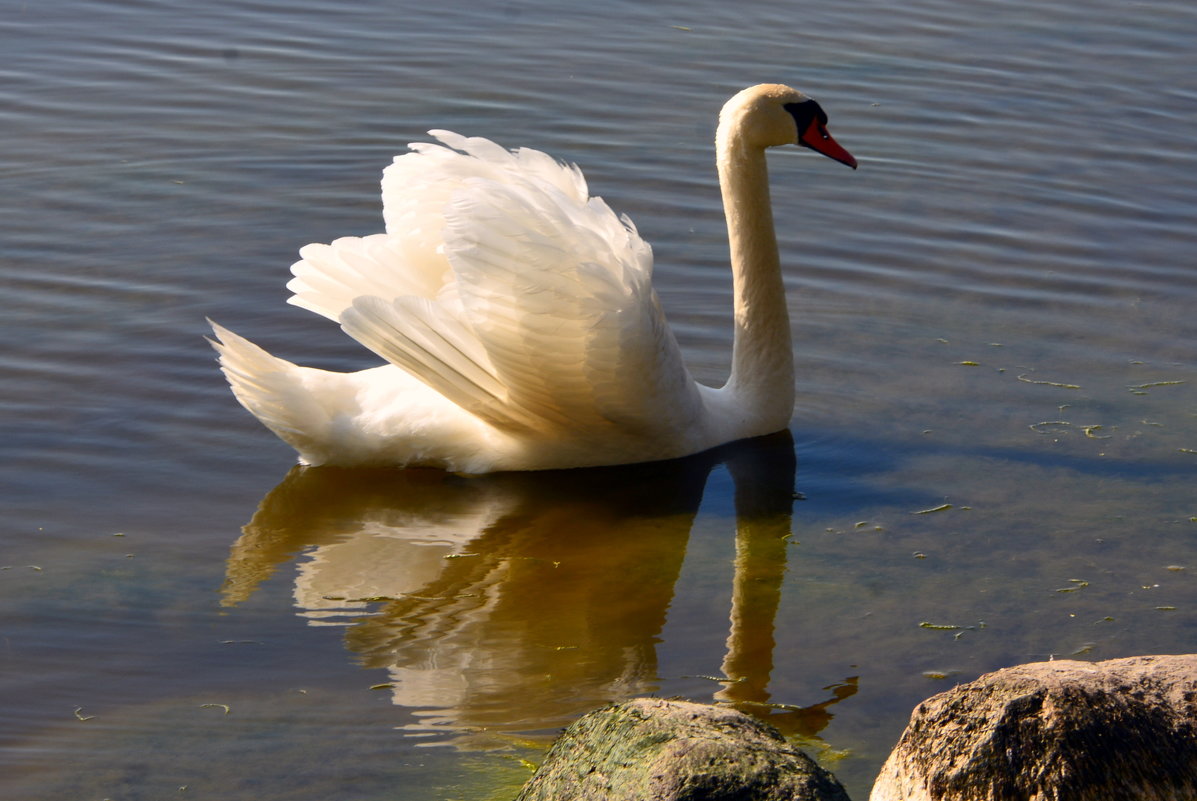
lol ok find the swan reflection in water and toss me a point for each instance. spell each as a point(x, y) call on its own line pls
point(516, 602)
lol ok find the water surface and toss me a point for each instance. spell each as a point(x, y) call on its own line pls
point(996, 430)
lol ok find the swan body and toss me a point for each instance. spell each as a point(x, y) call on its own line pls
point(518, 321)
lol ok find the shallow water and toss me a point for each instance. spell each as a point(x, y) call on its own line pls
point(996, 431)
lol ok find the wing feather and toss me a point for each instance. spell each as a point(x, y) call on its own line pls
point(329, 277)
point(560, 292)
point(504, 286)
point(424, 339)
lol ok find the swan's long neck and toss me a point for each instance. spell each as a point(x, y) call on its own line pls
point(762, 373)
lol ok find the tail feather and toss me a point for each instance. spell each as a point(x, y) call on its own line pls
point(271, 389)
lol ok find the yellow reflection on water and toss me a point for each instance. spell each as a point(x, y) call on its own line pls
point(516, 602)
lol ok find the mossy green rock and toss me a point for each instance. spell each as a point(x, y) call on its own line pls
point(651, 749)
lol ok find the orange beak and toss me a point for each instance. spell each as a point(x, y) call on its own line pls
point(818, 139)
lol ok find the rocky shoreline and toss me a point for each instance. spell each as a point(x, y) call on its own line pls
point(1045, 731)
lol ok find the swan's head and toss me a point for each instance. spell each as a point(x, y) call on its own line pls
point(771, 114)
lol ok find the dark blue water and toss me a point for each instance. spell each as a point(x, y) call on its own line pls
point(996, 430)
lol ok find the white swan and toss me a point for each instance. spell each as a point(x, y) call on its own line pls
point(518, 319)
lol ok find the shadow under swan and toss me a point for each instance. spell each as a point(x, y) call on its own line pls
point(518, 601)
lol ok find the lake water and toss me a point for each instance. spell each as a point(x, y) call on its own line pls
point(995, 438)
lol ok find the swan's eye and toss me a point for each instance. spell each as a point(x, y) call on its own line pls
point(808, 114)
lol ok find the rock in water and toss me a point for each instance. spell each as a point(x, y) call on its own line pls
point(1054, 731)
point(650, 749)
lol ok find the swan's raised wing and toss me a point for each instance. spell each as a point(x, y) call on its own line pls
point(409, 259)
point(559, 290)
point(531, 303)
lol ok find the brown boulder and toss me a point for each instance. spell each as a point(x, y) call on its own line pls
point(1054, 731)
